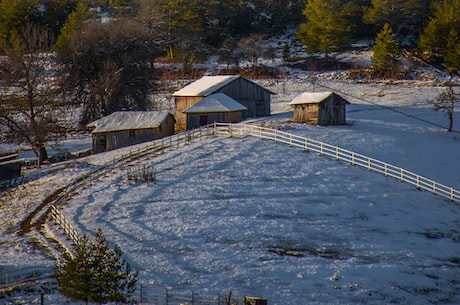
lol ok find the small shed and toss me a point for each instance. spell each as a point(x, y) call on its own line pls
point(214, 108)
point(319, 108)
point(124, 128)
point(252, 96)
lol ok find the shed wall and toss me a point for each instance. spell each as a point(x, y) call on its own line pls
point(106, 141)
point(329, 112)
point(195, 120)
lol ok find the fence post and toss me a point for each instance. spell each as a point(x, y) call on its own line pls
point(337, 153)
point(306, 144)
point(402, 175)
point(353, 158)
point(417, 182)
point(452, 193)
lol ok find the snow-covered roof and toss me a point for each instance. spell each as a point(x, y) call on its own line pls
point(218, 102)
point(127, 120)
point(310, 98)
point(206, 85)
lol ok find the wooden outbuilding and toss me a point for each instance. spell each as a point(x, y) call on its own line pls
point(214, 108)
point(252, 96)
point(319, 108)
point(124, 128)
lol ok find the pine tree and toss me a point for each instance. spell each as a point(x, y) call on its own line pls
point(327, 28)
point(97, 273)
point(446, 16)
point(385, 50)
point(70, 25)
point(14, 15)
point(452, 56)
point(75, 275)
point(404, 16)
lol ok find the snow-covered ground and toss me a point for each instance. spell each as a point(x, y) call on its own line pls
point(268, 220)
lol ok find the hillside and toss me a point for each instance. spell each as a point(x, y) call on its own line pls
point(268, 220)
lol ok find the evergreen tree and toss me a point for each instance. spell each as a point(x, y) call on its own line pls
point(80, 14)
point(404, 16)
point(385, 50)
point(446, 16)
point(75, 275)
point(452, 56)
point(14, 14)
point(97, 273)
point(327, 28)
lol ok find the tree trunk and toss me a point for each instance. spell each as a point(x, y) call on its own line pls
point(451, 119)
point(41, 154)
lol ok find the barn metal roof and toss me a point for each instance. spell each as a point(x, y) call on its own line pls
point(310, 98)
point(206, 85)
point(128, 120)
point(218, 102)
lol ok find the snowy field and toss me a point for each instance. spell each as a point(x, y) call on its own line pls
point(268, 220)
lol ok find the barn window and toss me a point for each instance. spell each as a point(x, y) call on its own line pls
point(132, 133)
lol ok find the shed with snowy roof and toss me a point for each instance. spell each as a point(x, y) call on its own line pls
point(319, 108)
point(124, 128)
point(217, 107)
point(255, 98)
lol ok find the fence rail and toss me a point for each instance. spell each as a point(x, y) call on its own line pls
point(420, 182)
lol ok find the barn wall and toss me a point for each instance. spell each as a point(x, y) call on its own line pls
point(182, 102)
point(249, 94)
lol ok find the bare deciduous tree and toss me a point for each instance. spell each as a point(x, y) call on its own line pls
point(28, 107)
point(446, 103)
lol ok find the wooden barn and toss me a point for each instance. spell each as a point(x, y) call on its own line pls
point(252, 96)
point(319, 108)
point(214, 108)
point(124, 128)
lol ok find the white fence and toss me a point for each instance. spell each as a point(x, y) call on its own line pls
point(420, 182)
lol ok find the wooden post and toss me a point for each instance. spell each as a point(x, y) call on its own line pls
point(337, 153)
